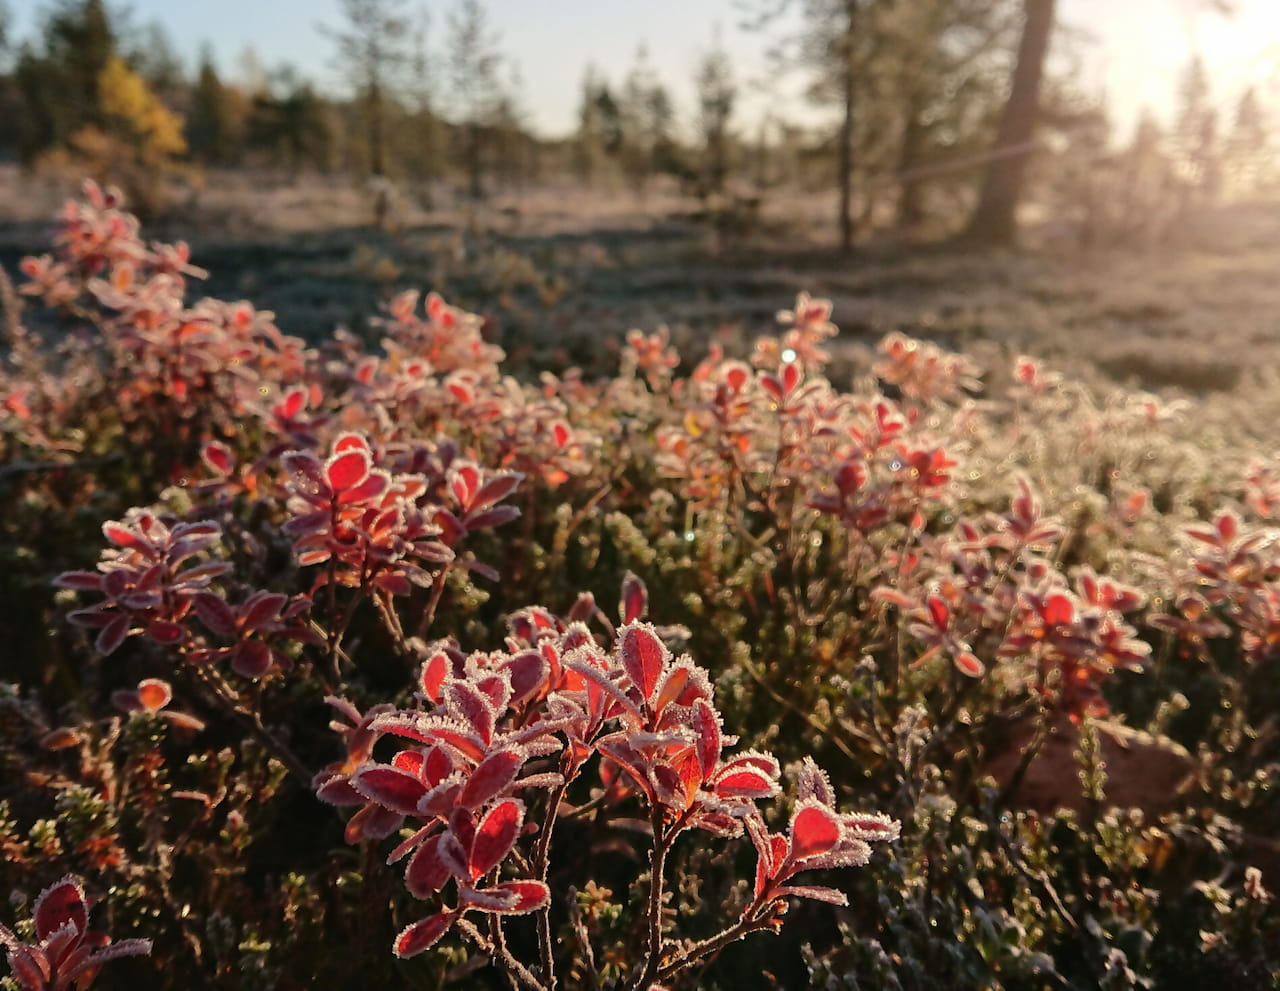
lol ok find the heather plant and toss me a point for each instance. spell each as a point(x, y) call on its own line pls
point(958, 589)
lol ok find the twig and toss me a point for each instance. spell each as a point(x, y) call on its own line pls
point(541, 856)
point(429, 614)
point(502, 956)
point(223, 695)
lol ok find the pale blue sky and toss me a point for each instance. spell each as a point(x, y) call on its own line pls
point(1140, 47)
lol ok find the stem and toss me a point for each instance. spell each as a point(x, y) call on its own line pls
point(391, 620)
point(653, 915)
point(514, 968)
point(225, 698)
point(1024, 763)
point(429, 614)
point(500, 945)
point(540, 858)
point(743, 927)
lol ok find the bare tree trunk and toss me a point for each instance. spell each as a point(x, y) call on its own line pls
point(994, 222)
point(474, 186)
point(377, 166)
point(844, 156)
point(911, 194)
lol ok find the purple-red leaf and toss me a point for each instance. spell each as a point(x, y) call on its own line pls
point(215, 614)
point(423, 935)
point(252, 659)
point(261, 608)
point(112, 635)
point(426, 873)
point(495, 490)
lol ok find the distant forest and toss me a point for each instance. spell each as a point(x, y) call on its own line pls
point(945, 117)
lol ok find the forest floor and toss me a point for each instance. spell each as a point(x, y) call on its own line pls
point(562, 273)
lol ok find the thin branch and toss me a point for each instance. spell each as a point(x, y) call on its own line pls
point(226, 698)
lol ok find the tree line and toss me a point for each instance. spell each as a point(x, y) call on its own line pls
point(942, 113)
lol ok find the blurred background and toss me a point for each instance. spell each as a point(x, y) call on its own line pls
point(694, 162)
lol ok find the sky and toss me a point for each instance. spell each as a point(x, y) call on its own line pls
point(1136, 52)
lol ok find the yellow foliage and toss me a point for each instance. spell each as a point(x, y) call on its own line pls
point(125, 97)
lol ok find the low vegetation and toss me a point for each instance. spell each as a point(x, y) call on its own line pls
point(315, 672)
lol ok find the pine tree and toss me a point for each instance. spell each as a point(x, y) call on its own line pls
point(214, 131)
point(473, 71)
point(373, 52)
point(717, 94)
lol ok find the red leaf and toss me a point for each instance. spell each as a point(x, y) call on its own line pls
point(122, 536)
point(939, 612)
point(561, 434)
point(60, 904)
point(490, 778)
point(426, 873)
point(154, 693)
point(1057, 610)
point(967, 664)
point(373, 486)
point(814, 830)
point(434, 671)
point(164, 632)
point(790, 375)
point(643, 657)
point(30, 967)
point(293, 403)
point(350, 442)
point(347, 470)
point(707, 727)
point(423, 935)
point(528, 671)
point(438, 766)
point(818, 893)
point(218, 457)
point(495, 835)
point(529, 896)
point(63, 738)
point(465, 482)
point(337, 790)
point(747, 782)
point(635, 599)
point(390, 787)
point(373, 822)
point(495, 490)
